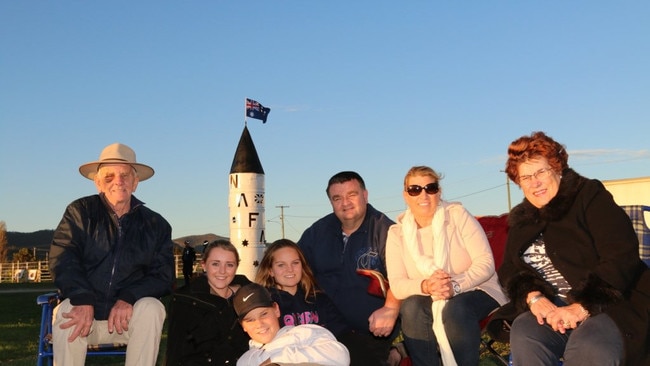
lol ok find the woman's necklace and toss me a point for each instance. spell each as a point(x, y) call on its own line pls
point(228, 294)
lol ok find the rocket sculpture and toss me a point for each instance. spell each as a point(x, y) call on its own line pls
point(246, 204)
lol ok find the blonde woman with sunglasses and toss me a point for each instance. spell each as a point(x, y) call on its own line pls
point(441, 266)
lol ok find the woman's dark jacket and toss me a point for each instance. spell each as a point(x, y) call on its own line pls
point(97, 259)
point(295, 310)
point(203, 328)
point(592, 243)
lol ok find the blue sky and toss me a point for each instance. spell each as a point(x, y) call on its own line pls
point(375, 87)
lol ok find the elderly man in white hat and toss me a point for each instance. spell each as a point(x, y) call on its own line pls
point(111, 259)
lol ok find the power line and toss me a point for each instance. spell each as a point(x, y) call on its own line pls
point(477, 192)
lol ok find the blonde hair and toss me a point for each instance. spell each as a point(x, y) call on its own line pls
point(223, 244)
point(421, 170)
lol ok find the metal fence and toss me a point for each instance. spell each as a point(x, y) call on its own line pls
point(24, 272)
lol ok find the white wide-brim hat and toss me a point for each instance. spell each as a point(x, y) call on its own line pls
point(116, 154)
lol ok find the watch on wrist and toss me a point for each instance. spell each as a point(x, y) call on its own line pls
point(456, 287)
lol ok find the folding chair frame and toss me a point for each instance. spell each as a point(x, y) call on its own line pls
point(48, 302)
point(496, 230)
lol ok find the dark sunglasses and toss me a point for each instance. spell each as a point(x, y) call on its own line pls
point(415, 190)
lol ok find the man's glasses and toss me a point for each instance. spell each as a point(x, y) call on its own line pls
point(539, 175)
point(415, 190)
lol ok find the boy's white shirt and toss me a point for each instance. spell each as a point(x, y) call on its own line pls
point(294, 344)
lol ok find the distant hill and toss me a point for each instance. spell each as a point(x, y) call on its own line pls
point(38, 239)
point(197, 241)
point(41, 240)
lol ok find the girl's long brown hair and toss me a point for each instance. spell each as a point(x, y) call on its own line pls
point(264, 278)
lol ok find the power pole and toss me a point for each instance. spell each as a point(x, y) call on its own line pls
point(282, 218)
point(508, 186)
point(508, 190)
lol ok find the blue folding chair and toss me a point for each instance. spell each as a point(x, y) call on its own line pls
point(45, 351)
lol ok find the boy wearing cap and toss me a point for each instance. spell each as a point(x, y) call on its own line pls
point(308, 343)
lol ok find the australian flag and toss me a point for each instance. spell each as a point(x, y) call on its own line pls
point(256, 110)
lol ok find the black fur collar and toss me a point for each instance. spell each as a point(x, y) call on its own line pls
point(525, 213)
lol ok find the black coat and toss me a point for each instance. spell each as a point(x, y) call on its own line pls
point(592, 243)
point(97, 259)
point(189, 255)
point(203, 328)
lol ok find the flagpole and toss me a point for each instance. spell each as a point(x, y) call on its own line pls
point(245, 114)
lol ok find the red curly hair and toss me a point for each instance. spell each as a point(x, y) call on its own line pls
point(537, 145)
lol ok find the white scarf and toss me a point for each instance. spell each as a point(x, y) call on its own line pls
point(427, 264)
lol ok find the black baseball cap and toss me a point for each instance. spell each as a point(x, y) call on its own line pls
point(250, 297)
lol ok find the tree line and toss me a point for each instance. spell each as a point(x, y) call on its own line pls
point(21, 247)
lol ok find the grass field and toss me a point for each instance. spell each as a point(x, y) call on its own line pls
point(20, 321)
